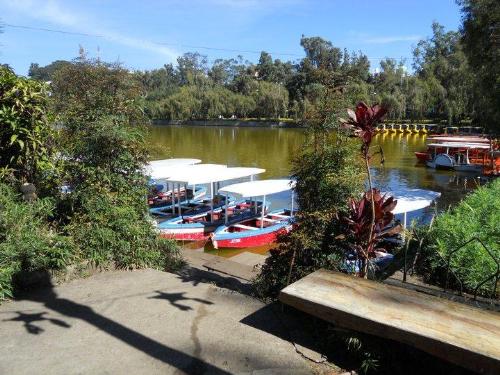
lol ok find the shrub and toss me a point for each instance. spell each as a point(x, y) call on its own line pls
point(325, 182)
point(27, 241)
point(26, 136)
point(478, 215)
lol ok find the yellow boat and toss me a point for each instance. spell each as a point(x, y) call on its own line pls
point(391, 128)
point(413, 129)
point(398, 128)
point(381, 129)
point(422, 129)
point(405, 128)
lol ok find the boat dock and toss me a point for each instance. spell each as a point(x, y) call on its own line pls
point(464, 335)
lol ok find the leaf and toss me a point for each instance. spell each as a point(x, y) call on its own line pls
point(13, 138)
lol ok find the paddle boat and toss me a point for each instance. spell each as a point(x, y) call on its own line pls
point(405, 128)
point(161, 197)
point(381, 129)
point(260, 229)
point(422, 129)
point(456, 156)
point(413, 129)
point(399, 128)
point(194, 226)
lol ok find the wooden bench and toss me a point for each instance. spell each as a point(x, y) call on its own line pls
point(465, 335)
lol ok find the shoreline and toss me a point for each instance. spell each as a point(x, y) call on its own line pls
point(229, 123)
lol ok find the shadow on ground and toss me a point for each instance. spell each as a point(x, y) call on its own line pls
point(51, 301)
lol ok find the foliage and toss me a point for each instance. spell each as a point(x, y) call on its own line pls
point(27, 241)
point(480, 40)
point(104, 152)
point(45, 73)
point(325, 181)
point(26, 135)
point(478, 216)
point(368, 227)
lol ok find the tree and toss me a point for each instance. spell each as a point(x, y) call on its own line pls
point(46, 73)
point(26, 136)
point(480, 35)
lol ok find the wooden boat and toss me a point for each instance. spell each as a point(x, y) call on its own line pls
point(194, 226)
point(260, 229)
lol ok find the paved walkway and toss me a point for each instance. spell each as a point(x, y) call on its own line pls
point(144, 322)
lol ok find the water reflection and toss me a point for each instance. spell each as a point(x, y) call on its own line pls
point(272, 148)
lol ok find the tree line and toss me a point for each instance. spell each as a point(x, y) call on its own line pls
point(448, 82)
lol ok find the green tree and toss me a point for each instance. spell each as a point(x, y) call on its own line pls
point(26, 136)
point(480, 34)
point(45, 73)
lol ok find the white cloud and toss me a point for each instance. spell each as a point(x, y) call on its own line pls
point(51, 11)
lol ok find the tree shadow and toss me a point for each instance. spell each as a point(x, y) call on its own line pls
point(29, 319)
point(173, 357)
point(173, 298)
point(196, 276)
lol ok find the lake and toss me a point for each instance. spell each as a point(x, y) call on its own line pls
point(272, 148)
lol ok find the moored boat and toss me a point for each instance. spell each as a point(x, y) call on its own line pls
point(260, 229)
point(196, 226)
point(456, 156)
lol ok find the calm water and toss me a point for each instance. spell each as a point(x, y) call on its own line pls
point(272, 149)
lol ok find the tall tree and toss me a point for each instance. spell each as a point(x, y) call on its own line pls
point(481, 39)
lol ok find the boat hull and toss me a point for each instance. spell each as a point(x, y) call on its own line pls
point(250, 241)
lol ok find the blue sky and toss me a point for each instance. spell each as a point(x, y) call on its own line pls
point(147, 34)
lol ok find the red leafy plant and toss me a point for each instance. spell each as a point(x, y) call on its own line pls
point(366, 231)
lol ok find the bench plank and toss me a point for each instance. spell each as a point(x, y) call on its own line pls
point(461, 334)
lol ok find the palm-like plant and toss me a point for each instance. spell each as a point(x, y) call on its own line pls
point(362, 122)
point(369, 224)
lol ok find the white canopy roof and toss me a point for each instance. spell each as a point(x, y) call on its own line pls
point(412, 199)
point(161, 169)
point(207, 173)
point(469, 139)
point(257, 188)
point(481, 146)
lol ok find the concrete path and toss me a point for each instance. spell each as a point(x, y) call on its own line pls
point(144, 322)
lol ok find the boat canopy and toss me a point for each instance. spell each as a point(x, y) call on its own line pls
point(209, 173)
point(412, 199)
point(467, 139)
point(257, 188)
point(481, 146)
point(161, 169)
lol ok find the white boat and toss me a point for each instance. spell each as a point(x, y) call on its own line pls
point(196, 226)
point(260, 229)
point(455, 156)
point(162, 196)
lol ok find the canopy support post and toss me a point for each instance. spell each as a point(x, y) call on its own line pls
point(263, 210)
point(291, 212)
point(179, 198)
point(225, 208)
point(173, 199)
point(212, 201)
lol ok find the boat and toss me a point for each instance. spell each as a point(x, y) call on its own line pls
point(161, 196)
point(424, 156)
point(413, 129)
point(391, 128)
point(398, 128)
point(257, 230)
point(456, 156)
point(380, 129)
point(405, 128)
point(422, 129)
point(451, 130)
point(195, 226)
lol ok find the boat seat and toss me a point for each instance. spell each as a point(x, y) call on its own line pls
point(270, 220)
point(280, 216)
point(241, 226)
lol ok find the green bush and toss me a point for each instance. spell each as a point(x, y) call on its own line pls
point(478, 215)
point(325, 181)
point(26, 136)
point(27, 241)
